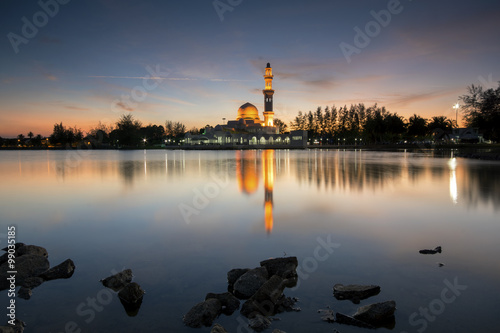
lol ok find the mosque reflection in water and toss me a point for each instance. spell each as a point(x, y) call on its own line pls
point(247, 174)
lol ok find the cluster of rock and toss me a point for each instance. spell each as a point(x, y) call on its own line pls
point(32, 269)
point(261, 288)
point(129, 293)
point(368, 316)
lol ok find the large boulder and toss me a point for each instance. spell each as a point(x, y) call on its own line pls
point(377, 313)
point(203, 314)
point(119, 280)
point(354, 292)
point(64, 270)
point(286, 268)
point(228, 301)
point(248, 283)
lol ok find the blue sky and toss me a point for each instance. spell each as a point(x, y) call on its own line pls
point(178, 60)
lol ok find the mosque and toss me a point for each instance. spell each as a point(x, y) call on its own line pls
point(248, 130)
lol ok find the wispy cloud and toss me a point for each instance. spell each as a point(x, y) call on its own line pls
point(71, 107)
point(122, 105)
point(165, 78)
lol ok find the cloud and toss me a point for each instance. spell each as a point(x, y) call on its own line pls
point(165, 78)
point(50, 77)
point(121, 105)
point(71, 107)
point(401, 100)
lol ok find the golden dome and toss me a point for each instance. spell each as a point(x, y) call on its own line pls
point(248, 112)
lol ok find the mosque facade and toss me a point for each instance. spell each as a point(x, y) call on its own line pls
point(248, 129)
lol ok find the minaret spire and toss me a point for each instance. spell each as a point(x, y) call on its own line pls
point(268, 97)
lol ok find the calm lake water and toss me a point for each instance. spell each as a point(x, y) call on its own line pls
point(181, 219)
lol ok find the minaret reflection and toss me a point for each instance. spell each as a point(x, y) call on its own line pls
point(247, 174)
point(268, 169)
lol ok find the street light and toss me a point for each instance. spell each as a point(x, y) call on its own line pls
point(456, 107)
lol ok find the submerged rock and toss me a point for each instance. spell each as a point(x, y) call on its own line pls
point(64, 270)
point(203, 314)
point(259, 323)
point(228, 301)
point(217, 328)
point(426, 251)
point(348, 320)
point(377, 313)
point(18, 327)
point(24, 293)
point(119, 280)
point(354, 292)
point(32, 282)
point(327, 315)
point(248, 283)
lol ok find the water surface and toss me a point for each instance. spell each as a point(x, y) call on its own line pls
point(181, 219)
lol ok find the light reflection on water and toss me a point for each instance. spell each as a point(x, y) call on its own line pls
point(182, 219)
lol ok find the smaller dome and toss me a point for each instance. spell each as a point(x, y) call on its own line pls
point(248, 111)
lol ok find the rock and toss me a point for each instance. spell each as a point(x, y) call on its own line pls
point(203, 313)
point(327, 315)
point(377, 313)
point(218, 329)
point(348, 320)
point(259, 323)
point(16, 246)
point(32, 249)
point(131, 293)
point(271, 290)
point(17, 328)
point(278, 331)
point(265, 300)
point(354, 292)
point(286, 304)
point(27, 265)
point(32, 282)
point(248, 283)
point(119, 280)
point(24, 293)
point(234, 275)
point(426, 251)
point(286, 268)
point(228, 301)
point(64, 270)
point(5, 256)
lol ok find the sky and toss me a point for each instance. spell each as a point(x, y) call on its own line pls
point(196, 62)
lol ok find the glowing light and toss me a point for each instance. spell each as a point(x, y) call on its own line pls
point(453, 180)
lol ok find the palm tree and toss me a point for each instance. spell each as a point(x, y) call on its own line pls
point(30, 135)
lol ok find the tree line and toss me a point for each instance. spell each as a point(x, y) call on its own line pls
point(330, 125)
point(375, 124)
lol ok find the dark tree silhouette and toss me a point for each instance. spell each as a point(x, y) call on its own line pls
point(482, 110)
